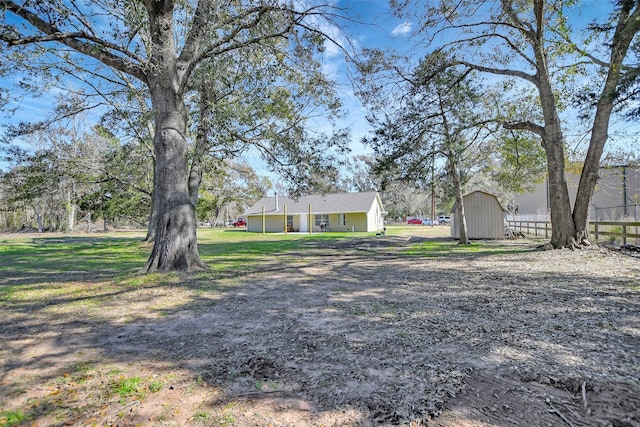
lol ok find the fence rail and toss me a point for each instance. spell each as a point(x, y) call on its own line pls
point(531, 227)
point(625, 230)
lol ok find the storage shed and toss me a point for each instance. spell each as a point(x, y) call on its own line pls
point(484, 215)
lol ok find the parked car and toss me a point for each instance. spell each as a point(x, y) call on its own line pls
point(240, 223)
point(427, 221)
point(444, 219)
point(414, 221)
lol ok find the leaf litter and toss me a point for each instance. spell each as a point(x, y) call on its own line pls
point(354, 333)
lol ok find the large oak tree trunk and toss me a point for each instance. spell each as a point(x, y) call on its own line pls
point(562, 227)
point(175, 243)
point(175, 246)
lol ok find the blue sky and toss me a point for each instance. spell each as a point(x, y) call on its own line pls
point(375, 26)
point(380, 28)
point(371, 25)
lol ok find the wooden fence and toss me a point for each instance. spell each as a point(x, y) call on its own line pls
point(611, 229)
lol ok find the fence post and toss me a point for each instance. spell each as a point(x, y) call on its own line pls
point(624, 235)
point(595, 228)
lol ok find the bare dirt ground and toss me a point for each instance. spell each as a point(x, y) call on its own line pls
point(347, 334)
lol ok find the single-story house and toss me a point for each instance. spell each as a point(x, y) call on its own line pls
point(315, 213)
point(484, 215)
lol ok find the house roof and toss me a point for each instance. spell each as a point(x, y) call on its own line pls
point(320, 204)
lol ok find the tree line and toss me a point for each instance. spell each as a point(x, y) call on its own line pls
point(71, 180)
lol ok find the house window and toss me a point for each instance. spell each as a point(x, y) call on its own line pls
point(290, 221)
point(322, 219)
point(343, 219)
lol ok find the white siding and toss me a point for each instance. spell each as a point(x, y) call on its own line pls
point(346, 212)
point(484, 216)
point(614, 197)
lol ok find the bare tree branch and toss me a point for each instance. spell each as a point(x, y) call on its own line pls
point(98, 49)
point(503, 72)
point(525, 125)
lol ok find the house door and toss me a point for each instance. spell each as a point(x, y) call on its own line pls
point(304, 223)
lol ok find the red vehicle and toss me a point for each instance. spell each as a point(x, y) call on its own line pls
point(414, 221)
point(240, 223)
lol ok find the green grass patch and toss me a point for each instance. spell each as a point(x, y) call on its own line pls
point(435, 248)
point(201, 417)
point(126, 387)
point(155, 386)
point(70, 254)
point(11, 418)
point(226, 420)
point(88, 273)
point(52, 259)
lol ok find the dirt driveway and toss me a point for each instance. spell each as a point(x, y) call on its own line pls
point(356, 333)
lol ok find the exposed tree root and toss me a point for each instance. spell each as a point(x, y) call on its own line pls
point(573, 244)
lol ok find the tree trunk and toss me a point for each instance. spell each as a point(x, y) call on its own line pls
point(71, 217)
point(217, 216)
point(195, 178)
point(175, 246)
point(562, 227)
point(589, 175)
point(462, 222)
point(202, 134)
point(433, 183)
point(175, 243)
point(39, 221)
point(151, 226)
point(153, 215)
point(626, 29)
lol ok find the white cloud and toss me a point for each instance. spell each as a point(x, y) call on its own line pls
point(402, 29)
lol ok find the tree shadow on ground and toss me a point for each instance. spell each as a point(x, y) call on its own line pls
point(332, 332)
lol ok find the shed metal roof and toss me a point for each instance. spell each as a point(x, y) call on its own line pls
point(455, 205)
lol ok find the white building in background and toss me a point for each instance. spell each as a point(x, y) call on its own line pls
point(616, 196)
